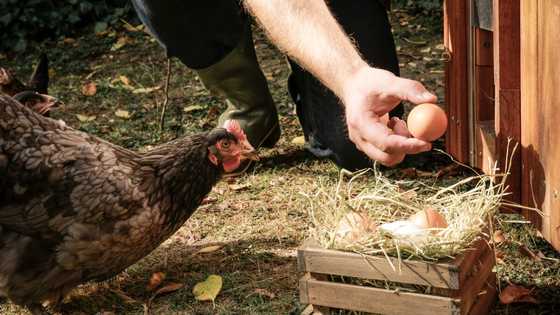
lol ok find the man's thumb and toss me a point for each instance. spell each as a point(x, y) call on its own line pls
point(416, 93)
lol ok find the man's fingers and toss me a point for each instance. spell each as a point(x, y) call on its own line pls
point(399, 144)
point(412, 91)
point(387, 159)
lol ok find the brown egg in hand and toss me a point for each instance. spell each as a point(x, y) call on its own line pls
point(427, 122)
point(428, 219)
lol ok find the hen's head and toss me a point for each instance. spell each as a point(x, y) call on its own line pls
point(228, 146)
point(40, 103)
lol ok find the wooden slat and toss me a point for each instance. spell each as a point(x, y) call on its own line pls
point(483, 47)
point(486, 298)
point(484, 93)
point(347, 264)
point(455, 39)
point(374, 300)
point(482, 270)
point(486, 145)
point(533, 173)
point(540, 103)
point(507, 84)
point(465, 262)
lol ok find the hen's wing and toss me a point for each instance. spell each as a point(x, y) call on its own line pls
point(52, 176)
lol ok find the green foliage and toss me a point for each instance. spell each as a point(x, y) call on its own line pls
point(24, 21)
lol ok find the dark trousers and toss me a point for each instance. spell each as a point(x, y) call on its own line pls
point(201, 33)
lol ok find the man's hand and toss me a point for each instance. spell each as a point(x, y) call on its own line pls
point(308, 32)
point(372, 93)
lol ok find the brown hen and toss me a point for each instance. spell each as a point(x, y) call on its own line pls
point(75, 208)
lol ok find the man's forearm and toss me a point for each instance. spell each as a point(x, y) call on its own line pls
point(307, 32)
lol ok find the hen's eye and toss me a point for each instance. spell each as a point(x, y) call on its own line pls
point(226, 144)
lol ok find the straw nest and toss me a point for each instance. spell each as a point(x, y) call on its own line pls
point(467, 205)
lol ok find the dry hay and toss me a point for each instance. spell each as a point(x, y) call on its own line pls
point(468, 205)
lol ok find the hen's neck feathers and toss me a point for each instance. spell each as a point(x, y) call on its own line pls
point(177, 175)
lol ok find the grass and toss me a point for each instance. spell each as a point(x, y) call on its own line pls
point(259, 219)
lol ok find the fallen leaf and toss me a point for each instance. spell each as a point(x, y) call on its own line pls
point(299, 140)
point(516, 294)
point(171, 287)
point(500, 257)
point(155, 280)
point(412, 64)
point(238, 187)
point(69, 40)
point(192, 108)
point(425, 50)
point(131, 28)
point(89, 89)
point(523, 249)
point(265, 292)
point(440, 47)
point(121, 42)
point(208, 249)
point(208, 289)
point(85, 118)
point(146, 90)
point(499, 237)
point(125, 80)
point(124, 114)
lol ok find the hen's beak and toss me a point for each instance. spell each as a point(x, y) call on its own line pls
point(248, 152)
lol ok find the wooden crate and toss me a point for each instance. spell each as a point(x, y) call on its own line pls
point(465, 285)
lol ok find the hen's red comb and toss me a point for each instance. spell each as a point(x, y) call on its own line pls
point(233, 127)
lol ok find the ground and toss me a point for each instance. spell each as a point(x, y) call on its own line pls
point(257, 220)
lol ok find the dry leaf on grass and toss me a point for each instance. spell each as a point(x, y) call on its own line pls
point(516, 294)
point(121, 42)
point(192, 108)
point(85, 118)
point(170, 287)
point(146, 90)
point(238, 187)
point(299, 140)
point(499, 237)
point(89, 89)
point(155, 280)
point(208, 289)
point(124, 114)
point(125, 80)
point(523, 249)
point(208, 249)
point(500, 256)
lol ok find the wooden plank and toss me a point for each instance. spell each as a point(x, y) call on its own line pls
point(541, 155)
point(374, 300)
point(507, 84)
point(484, 93)
point(486, 146)
point(347, 264)
point(465, 262)
point(532, 171)
point(481, 271)
point(455, 39)
point(484, 55)
point(486, 298)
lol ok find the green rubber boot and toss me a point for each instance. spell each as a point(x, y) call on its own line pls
point(238, 78)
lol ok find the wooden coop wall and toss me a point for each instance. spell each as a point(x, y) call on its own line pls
point(540, 109)
point(505, 84)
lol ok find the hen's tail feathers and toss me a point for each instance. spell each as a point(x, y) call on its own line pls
point(39, 81)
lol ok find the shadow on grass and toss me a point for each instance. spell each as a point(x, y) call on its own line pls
point(256, 274)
